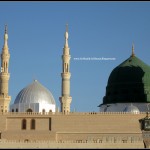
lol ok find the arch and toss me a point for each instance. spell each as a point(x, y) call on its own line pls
point(29, 110)
point(67, 68)
point(12, 110)
point(63, 67)
point(16, 109)
point(4, 66)
point(24, 124)
point(33, 124)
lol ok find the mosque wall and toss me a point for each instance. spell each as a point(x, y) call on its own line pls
point(107, 129)
point(67, 145)
point(72, 127)
point(77, 122)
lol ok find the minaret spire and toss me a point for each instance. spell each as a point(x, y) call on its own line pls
point(6, 29)
point(132, 50)
point(5, 39)
point(66, 36)
point(65, 98)
point(4, 75)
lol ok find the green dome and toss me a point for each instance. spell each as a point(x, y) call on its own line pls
point(129, 82)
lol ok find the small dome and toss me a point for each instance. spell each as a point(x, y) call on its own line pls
point(132, 109)
point(35, 93)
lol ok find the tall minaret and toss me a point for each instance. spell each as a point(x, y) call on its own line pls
point(65, 98)
point(4, 76)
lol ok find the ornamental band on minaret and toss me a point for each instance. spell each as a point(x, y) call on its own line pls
point(65, 98)
point(4, 76)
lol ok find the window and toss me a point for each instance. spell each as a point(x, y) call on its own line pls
point(33, 124)
point(24, 124)
point(67, 68)
point(16, 109)
point(12, 110)
point(124, 141)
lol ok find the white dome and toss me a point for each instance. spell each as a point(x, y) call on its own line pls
point(132, 109)
point(35, 93)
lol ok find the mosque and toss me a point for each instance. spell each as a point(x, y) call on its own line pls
point(33, 120)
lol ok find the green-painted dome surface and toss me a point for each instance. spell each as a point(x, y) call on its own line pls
point(129, 82)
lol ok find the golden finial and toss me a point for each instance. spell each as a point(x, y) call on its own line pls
point(133, 50)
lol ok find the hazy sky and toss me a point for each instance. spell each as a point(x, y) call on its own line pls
point(96, 29)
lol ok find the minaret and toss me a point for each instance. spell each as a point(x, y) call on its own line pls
point(65, 98)
point(4, 76)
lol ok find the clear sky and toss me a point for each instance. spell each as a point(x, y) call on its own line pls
point(96, 29)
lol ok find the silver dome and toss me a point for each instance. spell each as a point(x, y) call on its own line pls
point(35, 93)
point(132, 109)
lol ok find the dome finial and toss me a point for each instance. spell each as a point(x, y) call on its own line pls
point(132, 50)
point(66, 36)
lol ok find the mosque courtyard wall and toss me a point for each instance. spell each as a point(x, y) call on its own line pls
point(58, 130)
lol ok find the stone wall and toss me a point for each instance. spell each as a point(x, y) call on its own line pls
point(70, 144)
point(80, 129)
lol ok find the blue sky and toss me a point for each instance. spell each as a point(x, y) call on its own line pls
point(96, 29)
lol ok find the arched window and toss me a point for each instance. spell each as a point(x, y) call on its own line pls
point(16, 109)
point(24, 124)
point(67, 68)
point(29, 110)
point(33, 124)
point(12, 110)
point(4, 66)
